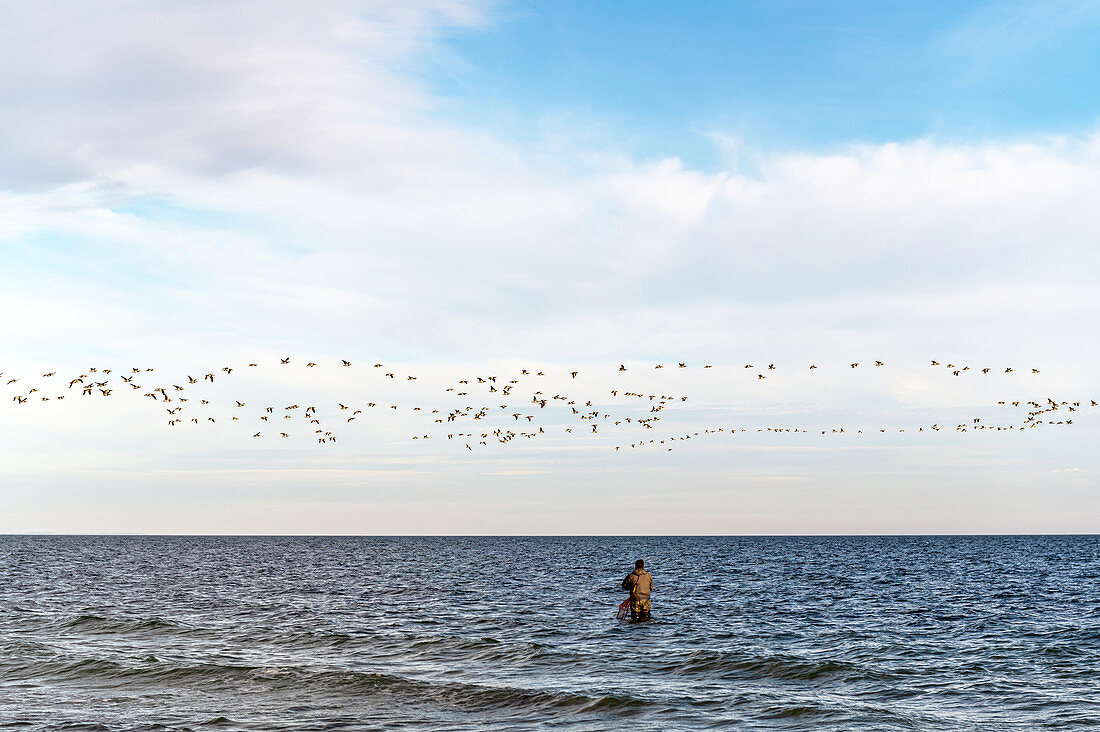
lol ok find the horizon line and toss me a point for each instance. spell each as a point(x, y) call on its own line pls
point(550, 536)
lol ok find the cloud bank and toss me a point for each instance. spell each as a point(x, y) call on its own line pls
point(238, 178)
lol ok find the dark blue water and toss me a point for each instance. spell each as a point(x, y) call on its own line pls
point(205, 633)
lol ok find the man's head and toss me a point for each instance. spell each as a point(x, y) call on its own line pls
point(640, 564)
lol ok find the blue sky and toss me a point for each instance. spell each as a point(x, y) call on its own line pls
point(455, 188)
point(662, 77)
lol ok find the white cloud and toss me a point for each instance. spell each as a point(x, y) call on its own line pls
point(212, 88)
point(370, 210)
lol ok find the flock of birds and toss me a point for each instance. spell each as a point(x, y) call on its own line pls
point(482, 409)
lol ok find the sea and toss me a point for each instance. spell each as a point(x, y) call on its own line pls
point(519, 633)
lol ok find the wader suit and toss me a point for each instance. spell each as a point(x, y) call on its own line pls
point(640, 584)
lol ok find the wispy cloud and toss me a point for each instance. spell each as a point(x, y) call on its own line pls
point(1004, 32)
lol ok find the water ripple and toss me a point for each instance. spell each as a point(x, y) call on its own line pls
point(294, 633)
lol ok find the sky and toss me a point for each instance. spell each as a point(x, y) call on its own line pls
point(462, 189)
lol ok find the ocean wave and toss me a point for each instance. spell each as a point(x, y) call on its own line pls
point(478, 649)
point(787, 668)
point(296, 639)
point(151, 671)
point(405, 645)
point(122, 625)
point(459, 695)
point(797, 711)
point(475, 697)
point(438, 647)
point(807, 713)
point(448, 648)
point(13, 647)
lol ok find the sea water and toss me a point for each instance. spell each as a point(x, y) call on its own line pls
point(354, 633)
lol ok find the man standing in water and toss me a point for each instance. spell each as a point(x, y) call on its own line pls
point(639, 584)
